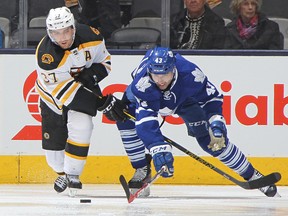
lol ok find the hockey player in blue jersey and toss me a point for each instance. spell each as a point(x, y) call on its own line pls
point(166, 83)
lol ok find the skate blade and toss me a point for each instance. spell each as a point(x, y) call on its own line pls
point(277, 195)
point(144, 193)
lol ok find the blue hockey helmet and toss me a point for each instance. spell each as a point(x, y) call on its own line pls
point(161, 60)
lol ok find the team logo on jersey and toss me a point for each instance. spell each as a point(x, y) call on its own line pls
point(47, 59)
point(95, 30)
point(143, 84)
point(199, 75)
point(167, 95)
point(210, 89)
point(143, 103)
point(46, 135)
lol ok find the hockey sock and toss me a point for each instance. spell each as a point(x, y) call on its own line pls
point(236, 160)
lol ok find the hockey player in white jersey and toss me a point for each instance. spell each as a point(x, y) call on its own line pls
point(166, 83)
point(69, 57)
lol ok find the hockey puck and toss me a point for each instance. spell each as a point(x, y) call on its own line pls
point(85, 200)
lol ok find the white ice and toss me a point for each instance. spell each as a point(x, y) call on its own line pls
point(165, 200)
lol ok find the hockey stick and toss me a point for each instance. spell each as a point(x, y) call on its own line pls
point(248, 185)
point(131, 197)
point(253, 184)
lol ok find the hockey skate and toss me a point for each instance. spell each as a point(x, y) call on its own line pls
point(60, 184)
point(269, 191)
point(141, 176)
point(74, 184)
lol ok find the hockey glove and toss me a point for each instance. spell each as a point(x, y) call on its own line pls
point(162, 155)
point(87, 78)
point(217, 132)
point(113, 108)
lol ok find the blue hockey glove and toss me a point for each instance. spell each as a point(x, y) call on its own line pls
point(162, 155)
point(217, 132)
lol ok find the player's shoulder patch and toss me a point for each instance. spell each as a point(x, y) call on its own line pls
point(143, 89)
point(199, 75)
point(48, 55)
point(47, 58)
point(96, 31)
point(87, 33)
point(143, 84)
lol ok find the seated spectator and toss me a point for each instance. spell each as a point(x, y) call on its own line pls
point(74, 7)
point(71, 3)
point(251, 29)
point(197, 27)
point(102, 14)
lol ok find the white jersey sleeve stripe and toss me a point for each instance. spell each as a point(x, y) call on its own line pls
point(146, 119)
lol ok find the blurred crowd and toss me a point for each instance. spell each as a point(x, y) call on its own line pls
point(138, 24)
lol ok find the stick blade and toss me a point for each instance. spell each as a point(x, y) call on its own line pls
point(267, 180)
point(125, 186)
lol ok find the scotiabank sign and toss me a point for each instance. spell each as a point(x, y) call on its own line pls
point(231, 106)
point(261, 103)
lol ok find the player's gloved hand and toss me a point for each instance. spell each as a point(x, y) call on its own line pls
point(162, 155)
point(113, 108)
point(217, 132)
point(87, 78)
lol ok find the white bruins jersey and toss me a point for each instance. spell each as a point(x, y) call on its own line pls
point(56, 67)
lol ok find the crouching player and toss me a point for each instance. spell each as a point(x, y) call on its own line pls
point(166, 83)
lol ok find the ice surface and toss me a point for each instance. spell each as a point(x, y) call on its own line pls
point(165, 200)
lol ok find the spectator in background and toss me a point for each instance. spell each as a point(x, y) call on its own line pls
point(71, 3)
point(197, 27)
point(103, 15)
point(251, 29)
point(74, 7)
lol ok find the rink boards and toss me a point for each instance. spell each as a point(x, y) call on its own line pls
point(107, 169)
point(254, 106)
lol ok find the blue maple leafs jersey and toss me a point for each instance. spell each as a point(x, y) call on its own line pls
point(190, 85)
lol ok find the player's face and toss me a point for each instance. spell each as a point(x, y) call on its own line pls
point(162, 80)
point(195, 7)
point(63, 37)
point(248, 10)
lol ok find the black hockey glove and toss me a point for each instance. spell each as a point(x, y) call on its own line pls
point(87, 78)
point(90, 77)
point(113, 108)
